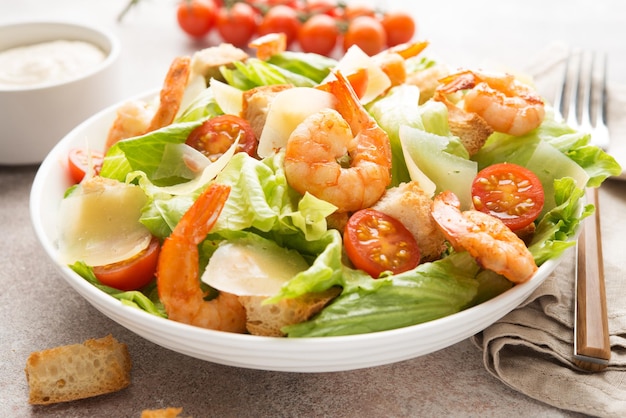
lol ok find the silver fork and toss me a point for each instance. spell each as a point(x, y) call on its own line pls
point(586, 111)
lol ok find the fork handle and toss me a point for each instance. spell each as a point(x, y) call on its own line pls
point(593, 349)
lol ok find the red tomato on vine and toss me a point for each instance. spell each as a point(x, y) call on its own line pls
point(237, 24)
point(196, 17)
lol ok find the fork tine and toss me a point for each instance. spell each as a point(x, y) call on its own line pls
point(587, 100)
point(601, 130)
point(602, 113)
point(574, 105)
point(561, 93)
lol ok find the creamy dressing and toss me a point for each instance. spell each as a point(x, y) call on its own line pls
point(47, 63)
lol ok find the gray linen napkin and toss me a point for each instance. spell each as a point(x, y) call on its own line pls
point(531, 348)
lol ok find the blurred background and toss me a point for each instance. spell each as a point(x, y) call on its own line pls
point(507, 34)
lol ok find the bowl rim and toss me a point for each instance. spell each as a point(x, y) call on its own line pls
point(111, 45)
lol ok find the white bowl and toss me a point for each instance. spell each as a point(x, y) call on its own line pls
point(35, 118)
point(323, 354)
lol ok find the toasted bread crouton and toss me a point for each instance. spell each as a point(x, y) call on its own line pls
point(427, 80)
point(393, 65)
point(162, 413)
point(78, 371)
point(268, 319)
point(410, 205)
point(256, 105)
point(471, 129)
point(207, 62)
point(337, 220)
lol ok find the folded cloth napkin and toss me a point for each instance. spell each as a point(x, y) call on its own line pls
point(531, 348)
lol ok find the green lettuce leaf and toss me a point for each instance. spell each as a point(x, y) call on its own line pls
point(146, 299)
point(554, 232)
point(422, 134)
point(255, 72)
point(431, 291)
point(581, 155)
point(312, 66)
point(152, 153)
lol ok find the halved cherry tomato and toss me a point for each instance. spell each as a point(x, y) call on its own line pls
point(81, 160)
point(319, 34)
point(367, 33)
point(196, 17)
point(399, 27)
point(509, 192)
point(131, 274)
point(237, 24)
point(278, 19)
point(376, 242)
point(216, 135)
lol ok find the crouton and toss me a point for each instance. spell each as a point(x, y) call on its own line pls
point(256, 105)
point(471, 129)
point(207, 62)
point(162, 413)
point(268, 319)
point(78, 371)
point(410, 205)
point(427, 80)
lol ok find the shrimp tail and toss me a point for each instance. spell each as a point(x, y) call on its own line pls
point(178, 282)
point(460, 81)
point(198, 221)
point(408, 50)
point(348, 104)
point(172, 93)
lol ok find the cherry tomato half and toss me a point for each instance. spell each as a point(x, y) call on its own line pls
point(509, 192)
point(196, 17)
point(216, 135)
point(376, 242)
point(131, 274)
point(81, 160)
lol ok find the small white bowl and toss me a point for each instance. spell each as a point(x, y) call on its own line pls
point(34, 118)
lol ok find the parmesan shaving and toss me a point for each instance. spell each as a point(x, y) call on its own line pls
point(100, 223)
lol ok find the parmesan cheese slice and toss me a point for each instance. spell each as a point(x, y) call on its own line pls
point(228, 98)
point(99, 223)
point(354, 60)
point(288, 109)
point(250, 268)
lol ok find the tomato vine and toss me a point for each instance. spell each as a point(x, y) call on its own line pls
point(319, 26)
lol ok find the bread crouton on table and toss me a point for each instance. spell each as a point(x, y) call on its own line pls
point(162, 413)
point(77, 371)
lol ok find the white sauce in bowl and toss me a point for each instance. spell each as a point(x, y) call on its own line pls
point(47, 63)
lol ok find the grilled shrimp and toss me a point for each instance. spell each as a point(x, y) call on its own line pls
point(506, 104)
point(178, 280)
point(316, 147)
point(486, 238)
point(134, 119)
